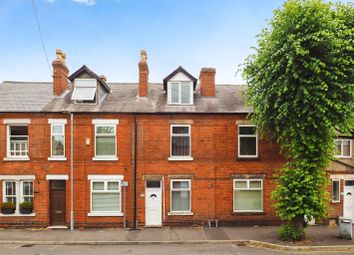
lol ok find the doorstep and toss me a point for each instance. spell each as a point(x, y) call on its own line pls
point(57, 227)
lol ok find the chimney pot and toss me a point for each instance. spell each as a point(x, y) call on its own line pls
point(143, 75)
point(207, 82)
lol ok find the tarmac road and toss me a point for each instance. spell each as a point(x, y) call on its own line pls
point(164, 249)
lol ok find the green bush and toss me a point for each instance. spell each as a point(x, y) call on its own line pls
point(26, 205)
point(8, 205)
point(289, 233)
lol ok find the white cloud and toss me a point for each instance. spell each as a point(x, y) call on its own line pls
point(85, 2)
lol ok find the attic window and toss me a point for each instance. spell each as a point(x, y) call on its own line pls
point(85, 91)
point(180, 92)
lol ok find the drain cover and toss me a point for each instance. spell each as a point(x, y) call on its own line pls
point(27, 245)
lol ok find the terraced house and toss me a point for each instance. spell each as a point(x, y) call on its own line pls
point(88, 153)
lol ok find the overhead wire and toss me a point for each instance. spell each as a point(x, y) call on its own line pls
point(41, 36)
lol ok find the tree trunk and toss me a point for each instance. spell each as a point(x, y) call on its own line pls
point(298, 222)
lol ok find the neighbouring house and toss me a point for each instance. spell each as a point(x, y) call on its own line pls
point(102, 154)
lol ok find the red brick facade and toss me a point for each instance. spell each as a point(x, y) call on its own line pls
point(214, 152)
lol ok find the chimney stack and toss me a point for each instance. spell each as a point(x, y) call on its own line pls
point(143, 75)
point(60, 73)
point(207, 82)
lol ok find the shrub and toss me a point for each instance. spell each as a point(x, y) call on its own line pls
point(8, 205)
point(26, 205)
point(289, 233)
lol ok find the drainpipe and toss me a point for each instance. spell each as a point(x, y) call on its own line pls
point(135, 172)
point(72, 172)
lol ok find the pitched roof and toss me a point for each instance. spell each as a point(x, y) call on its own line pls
point(179, 69)
point(85, 69)
point(37, 97)
point(25, 96)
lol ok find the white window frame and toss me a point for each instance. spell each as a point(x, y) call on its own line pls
point(341, 148)
point(181, 189)
point(182, 158)
point(248, 188)
point(179, 83)
point(239, 144)
point(339, 189)
point(105, 123)
point(56, 122)
point(8, 145)
point(19, 194)
point(105, 180)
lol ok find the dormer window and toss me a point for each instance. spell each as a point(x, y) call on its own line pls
point(85, 91)
point(180, 92)
point(180, 86)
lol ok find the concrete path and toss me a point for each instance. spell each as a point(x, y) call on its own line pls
point(316, 235)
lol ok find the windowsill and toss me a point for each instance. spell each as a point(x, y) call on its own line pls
point(17, 215)
point(248, 213)
point(57, 158)
point(335, 202)
point(16, 159)
point(345, 157)
point(180, 159)
point(105, 158)
point(179, 104)
point(244, 158)
point(180, 213)
point(107, 214)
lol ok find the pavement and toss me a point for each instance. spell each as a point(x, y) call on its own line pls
point(317, 237)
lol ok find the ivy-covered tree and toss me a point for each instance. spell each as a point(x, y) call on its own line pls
point(301, 88)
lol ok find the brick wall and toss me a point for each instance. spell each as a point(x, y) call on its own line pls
point(214, 152)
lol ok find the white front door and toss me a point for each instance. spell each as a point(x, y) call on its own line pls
point(153, 203)
point(348, 206)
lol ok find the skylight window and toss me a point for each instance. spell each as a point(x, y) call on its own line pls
point(85, 91)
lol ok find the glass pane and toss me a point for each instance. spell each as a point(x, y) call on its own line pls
point(180, 201)
point(255, 184)
point(349, 183)
point(19, 130)
point(58, 129)
point(338, 148)
point(174, 93)
point(113, 185)
point(185, 93)
point(248, 200)
point(180, 146)
point(57, 184)
point(10, 188)
point(247, 130)
point(98, 185)
point(28, 199)
point(346, 148)
point(105, 146)
point(27, 188)
point(105, 202)
point(240, 184)
point(58, 145)
point(335, 190)
point(180, 185)
point(153, 184)
point(105, 130)
point(248, 146)
point(180, 130)
point(11, 199)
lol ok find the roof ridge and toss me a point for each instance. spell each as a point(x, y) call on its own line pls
point(29, 82)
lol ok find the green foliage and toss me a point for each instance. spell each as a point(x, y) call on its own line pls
point(289, 233)
point(301, 88)
point(26, 205)
point(8, 205)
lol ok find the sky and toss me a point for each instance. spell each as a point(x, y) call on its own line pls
point(107, 36)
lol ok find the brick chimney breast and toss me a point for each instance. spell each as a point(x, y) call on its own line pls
point(60, 73)
point(207, 82)
point(143, 75)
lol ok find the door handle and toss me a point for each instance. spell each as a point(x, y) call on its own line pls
point(58, 211)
